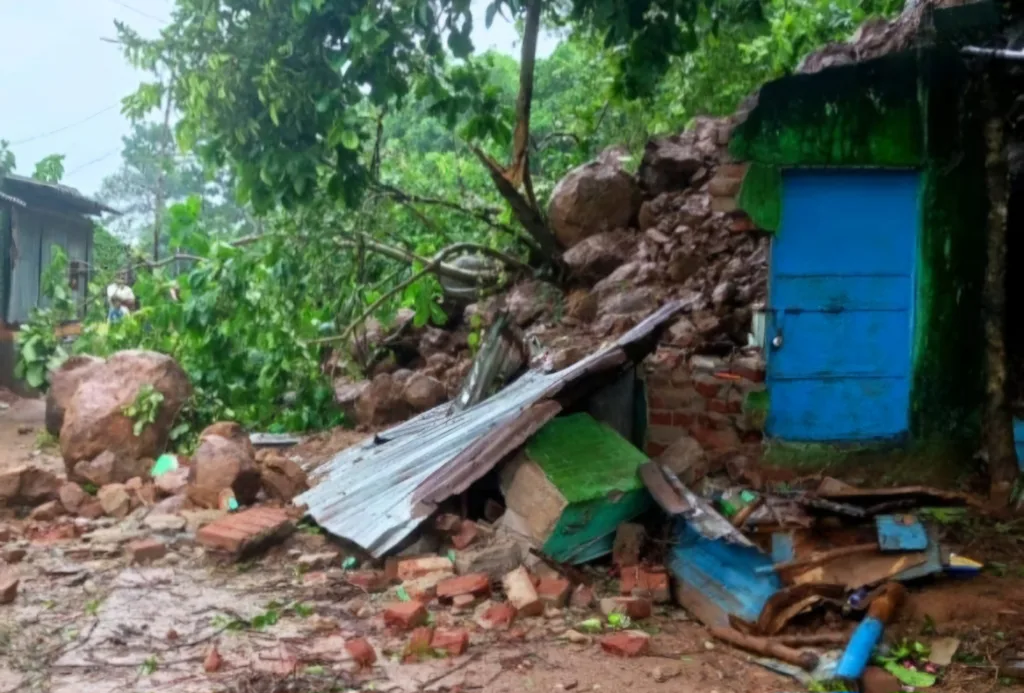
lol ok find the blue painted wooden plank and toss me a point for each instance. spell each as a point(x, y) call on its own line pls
point(865, 343)
point(834, 293)
point(837, 223)
point(783, 550)
point(837, 410)
point(901, 533)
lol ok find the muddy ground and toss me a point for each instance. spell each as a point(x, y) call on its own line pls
point(86, 621)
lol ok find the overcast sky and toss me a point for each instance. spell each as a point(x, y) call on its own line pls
point(57, 74)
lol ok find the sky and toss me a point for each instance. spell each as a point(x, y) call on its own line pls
point(61, 85)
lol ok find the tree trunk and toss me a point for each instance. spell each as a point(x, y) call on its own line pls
point(998, 427)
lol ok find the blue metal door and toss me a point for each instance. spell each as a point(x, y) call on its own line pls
point(842, 306)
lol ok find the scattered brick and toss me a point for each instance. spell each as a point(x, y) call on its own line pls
point(497, 616)
point(582, 597)
point(630, 643)
point(637, 608)
point(146, 550)
point(369, 580)
point(475, 585)
point(629, 542)
point(521, 593)
point(8, 587)
point(246, 532)
point(453, 641)
point(467, 534)
point(424, 588)
point(412, 568)
point(554, 592)
point(641, 582)
point(419, 645)
point(405, 615)
point(362, 651)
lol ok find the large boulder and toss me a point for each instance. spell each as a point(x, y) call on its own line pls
point(63, 383)
point(382, 402)
point(669, 164)
point(423, 392)
point(223, 461)
point(282, 478)
point(597, 256)
point(95, 422)
point(598, 196)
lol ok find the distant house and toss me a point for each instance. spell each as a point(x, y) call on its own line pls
point(34, 217)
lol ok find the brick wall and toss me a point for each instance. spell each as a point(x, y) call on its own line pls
point(704, 397)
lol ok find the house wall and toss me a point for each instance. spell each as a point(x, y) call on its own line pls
point(900, 111)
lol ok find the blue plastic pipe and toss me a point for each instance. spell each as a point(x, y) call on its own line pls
point(858, 650)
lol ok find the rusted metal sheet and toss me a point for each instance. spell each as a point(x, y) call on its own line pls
point(376, 493)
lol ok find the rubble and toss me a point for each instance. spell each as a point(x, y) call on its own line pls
point(630, 643)
point(223, 462)
point(242, 533)
point(27, 485)
point(405, 615)
point(522, 594)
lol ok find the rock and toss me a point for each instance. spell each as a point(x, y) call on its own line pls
point(526, 302)
point(435, 341)
point(171, 483)
point(467, 534)
point(661, 674)
point(164, 524)
point(597, 256)
point(72, 497)
point(669, 164)
point(686, 459)
point(630, 643)
point(362, 652)
point(282, 478)
point(27, 486)
point(423, 392)
point(581, 306)
point(381, 402)
point(47, 512)
point(63, 383)
point(146, 551)
point(13, 554)
point(212, 662)
point(682, 265)
point(8, 587)
point(319, 561)
point(582, 597)
point(878, 680)
point(95, 422)
point(598, 196)
point(115, 500)
point(522, 594)
point(221, 464)
point(494, 560)
point(682, 333)
point(637, 300)
point(577, 638)
point(346, 396)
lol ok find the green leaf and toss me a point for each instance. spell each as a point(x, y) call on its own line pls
point(909, 677)
point(349, 140)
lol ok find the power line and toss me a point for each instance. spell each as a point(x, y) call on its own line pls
point(98, 159)
point(140, 12)
point(66, 127)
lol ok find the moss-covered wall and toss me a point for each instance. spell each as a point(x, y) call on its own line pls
point(900, 111)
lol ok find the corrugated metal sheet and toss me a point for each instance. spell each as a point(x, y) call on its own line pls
point(376, 493)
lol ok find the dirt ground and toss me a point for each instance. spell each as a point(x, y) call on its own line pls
point(86, 621)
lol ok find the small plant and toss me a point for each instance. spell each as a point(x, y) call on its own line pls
point(45, 440)
point(149, 665)
point(92, 607)
point(144, 410)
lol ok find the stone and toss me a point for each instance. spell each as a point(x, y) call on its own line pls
point(13, 554)
point(405, 615)
point(212, 662)
point(582, 597)
point(164, 524)
point(282, 479)
point(72, 497)
point(47, 512)
point(171, 483)
point(64, 382)
point(494, 560)
point(369, 580)
point(669, 164)
point(8, 587)
point(146, 551)
point(452, 641)
point(381, 402)
point(95, 422)
point(628, 545)
point(581, 306)
point(577, 638)
point(630, 643)
point(494, 616)
point(637, 608)
point(627, 302)
point(597, 256)
point(686, 459)
point(467, 534)
point(475, 584)
point(245, 532)
point(598, 196)
point(319, 561)
point(661, 674)
point(91, 510)
point(27, 485)
point(222, 464)
point(423, 392)
point(448, 523)
point(878, 680)
point(362, 652)
point(346, 396)
point(521, 593)
point(115, 500)
point(424, 587)
point(412, 568)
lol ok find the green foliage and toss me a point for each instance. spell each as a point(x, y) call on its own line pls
point(144, 408)
point(50, 169)
point(39, 347)
point(7, 161)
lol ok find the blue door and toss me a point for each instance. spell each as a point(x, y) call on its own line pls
point(842, 306)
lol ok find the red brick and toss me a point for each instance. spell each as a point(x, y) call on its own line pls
point(239, 533)
point(316, 579)
point(749, 368)
point(554, 592)
point(660, 418)
point(474, 584)
point(146, 550)
point(655, 449)
point(657, 401)
point(711, 439)
point(657, 584)
point(644, 582)
point(637, 608)
point(419, 645)
point(582, 597)
point(467, 535)
point(369, 580)
point(464, 601)
point(362, 651)
point(497, 616)
point(628, 643)
point(684, 420)
point(412, 568)
point(707, 387)
point(723, 407)
point(521, 593)
point(453, 641)
point(405, 615)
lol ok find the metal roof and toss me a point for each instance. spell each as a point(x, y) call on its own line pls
point(376, 493)
point(41, 193)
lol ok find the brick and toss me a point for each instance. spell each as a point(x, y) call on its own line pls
point(497, 615)
point(749, 368)
point(582, 597)
point(716, 440)
point(369, 580)
point(630, 643)
point(475, 584)
point(521, 593)
point(629, 542)
point(362, 651)
point(466, 535)
point(684, 420)
point(637, 608)
point(660, 418)
point(424, 588)
point(405, 615)
point(708, 386)
point(741, 223)
point(464, 601)
point(641, 582)
point(245, 532)
point(8, 587)
point(451, 640)
point(419, 645)
point(654, 449)
point(412, 568)
point(554, 592)
point(146, 550)
point(316, 579)
point(723, 407)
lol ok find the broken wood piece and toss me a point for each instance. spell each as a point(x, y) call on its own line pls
point(744, 514)
point(813, 639)
point(767, 647)
point(821, 557)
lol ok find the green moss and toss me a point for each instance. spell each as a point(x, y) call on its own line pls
point(761, 196)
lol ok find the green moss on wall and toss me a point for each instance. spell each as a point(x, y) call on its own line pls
point(761, 196)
